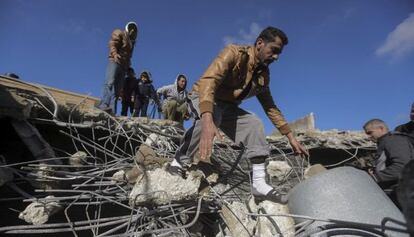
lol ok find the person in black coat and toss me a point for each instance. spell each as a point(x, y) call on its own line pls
point(394, 151)
point(128, 92)
point(144, 91)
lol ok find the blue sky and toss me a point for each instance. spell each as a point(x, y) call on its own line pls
point(347, 61)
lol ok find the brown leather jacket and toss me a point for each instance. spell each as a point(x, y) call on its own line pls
point(229, 74)
point(121, 45)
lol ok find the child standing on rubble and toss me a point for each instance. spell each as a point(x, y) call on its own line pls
point(143, 93)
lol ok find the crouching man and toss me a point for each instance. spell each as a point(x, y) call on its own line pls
point(238, 72)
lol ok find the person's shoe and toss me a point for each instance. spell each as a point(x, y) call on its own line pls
point(175, 170)
point(272, 196)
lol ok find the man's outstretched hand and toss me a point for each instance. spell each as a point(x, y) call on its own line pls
point(298, 148)
point(208, 132)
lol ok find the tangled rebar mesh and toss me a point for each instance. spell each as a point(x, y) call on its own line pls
point(88, 185)
point(93, 201)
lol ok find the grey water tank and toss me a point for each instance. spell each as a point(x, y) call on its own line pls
point(344, 194)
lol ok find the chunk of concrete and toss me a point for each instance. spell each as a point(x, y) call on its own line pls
point(78, 158)
point(237, 221)
point(160, 187)
point(148, 159)
point(273, 225)
point(313, 170)
point(38, 213)
point(278, 169)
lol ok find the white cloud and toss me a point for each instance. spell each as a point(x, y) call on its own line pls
point(244, 37)
point(400, 42)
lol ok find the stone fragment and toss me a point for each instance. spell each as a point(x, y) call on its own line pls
point(278, 169)
point(78, 158)
point(160, 187)
point(38, 212)
point(237, 221)
point(313, 170)
point(148, 159)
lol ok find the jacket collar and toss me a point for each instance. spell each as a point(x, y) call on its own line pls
point(254, 63)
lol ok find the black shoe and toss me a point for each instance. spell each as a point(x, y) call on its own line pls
point(175, 170)
point(272, 196)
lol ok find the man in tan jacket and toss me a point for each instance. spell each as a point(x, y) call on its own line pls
point(239, 72)
point(121, 46)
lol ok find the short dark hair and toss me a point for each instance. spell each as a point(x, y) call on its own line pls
point(269, 34)
point(375, 122)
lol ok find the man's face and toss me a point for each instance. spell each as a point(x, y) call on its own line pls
point(181, 83)
point(375, 131)
point(144, 78)
point(132, 32)
point(267, 52)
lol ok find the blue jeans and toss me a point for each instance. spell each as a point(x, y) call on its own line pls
point(114, 77)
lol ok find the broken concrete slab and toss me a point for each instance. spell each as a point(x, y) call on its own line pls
point(237, 221)
point(274, 225)
point(38, 213)
point(146, 157)
point(278, 169)
point(160, 187)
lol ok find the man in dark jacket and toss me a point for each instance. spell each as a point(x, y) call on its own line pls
point(121, 46)
point(144, 91)
point(394, 151)
point(128, 92)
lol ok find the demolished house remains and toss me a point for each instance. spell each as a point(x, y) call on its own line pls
point(69, 169)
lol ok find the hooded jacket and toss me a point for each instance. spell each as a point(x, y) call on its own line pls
point(145, 90)
point(121, 44)
point(171, 92)
point(234, 76)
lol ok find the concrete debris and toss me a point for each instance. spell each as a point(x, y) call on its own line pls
point(147, 158)
point(278, 169)
point(313, 170)
point(119, 176)
point(327, 139)
point(160, 187)
point(78, 158)
point(38, 213)
point(132, 175)
point(277, 225)
point(237, 221)
point(117, 171)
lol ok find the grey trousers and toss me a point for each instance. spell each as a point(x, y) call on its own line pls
point(238, 124)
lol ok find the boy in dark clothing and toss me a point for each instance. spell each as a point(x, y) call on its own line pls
point(143, 92)
point(128, 92)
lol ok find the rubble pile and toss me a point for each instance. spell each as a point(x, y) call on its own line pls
point(108, 176)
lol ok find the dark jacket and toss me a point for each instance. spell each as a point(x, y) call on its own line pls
point(394, 152)
point(406, 128)
point(145, 90)
point(128, 91)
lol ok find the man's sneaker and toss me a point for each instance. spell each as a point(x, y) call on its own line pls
point(272, 196)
